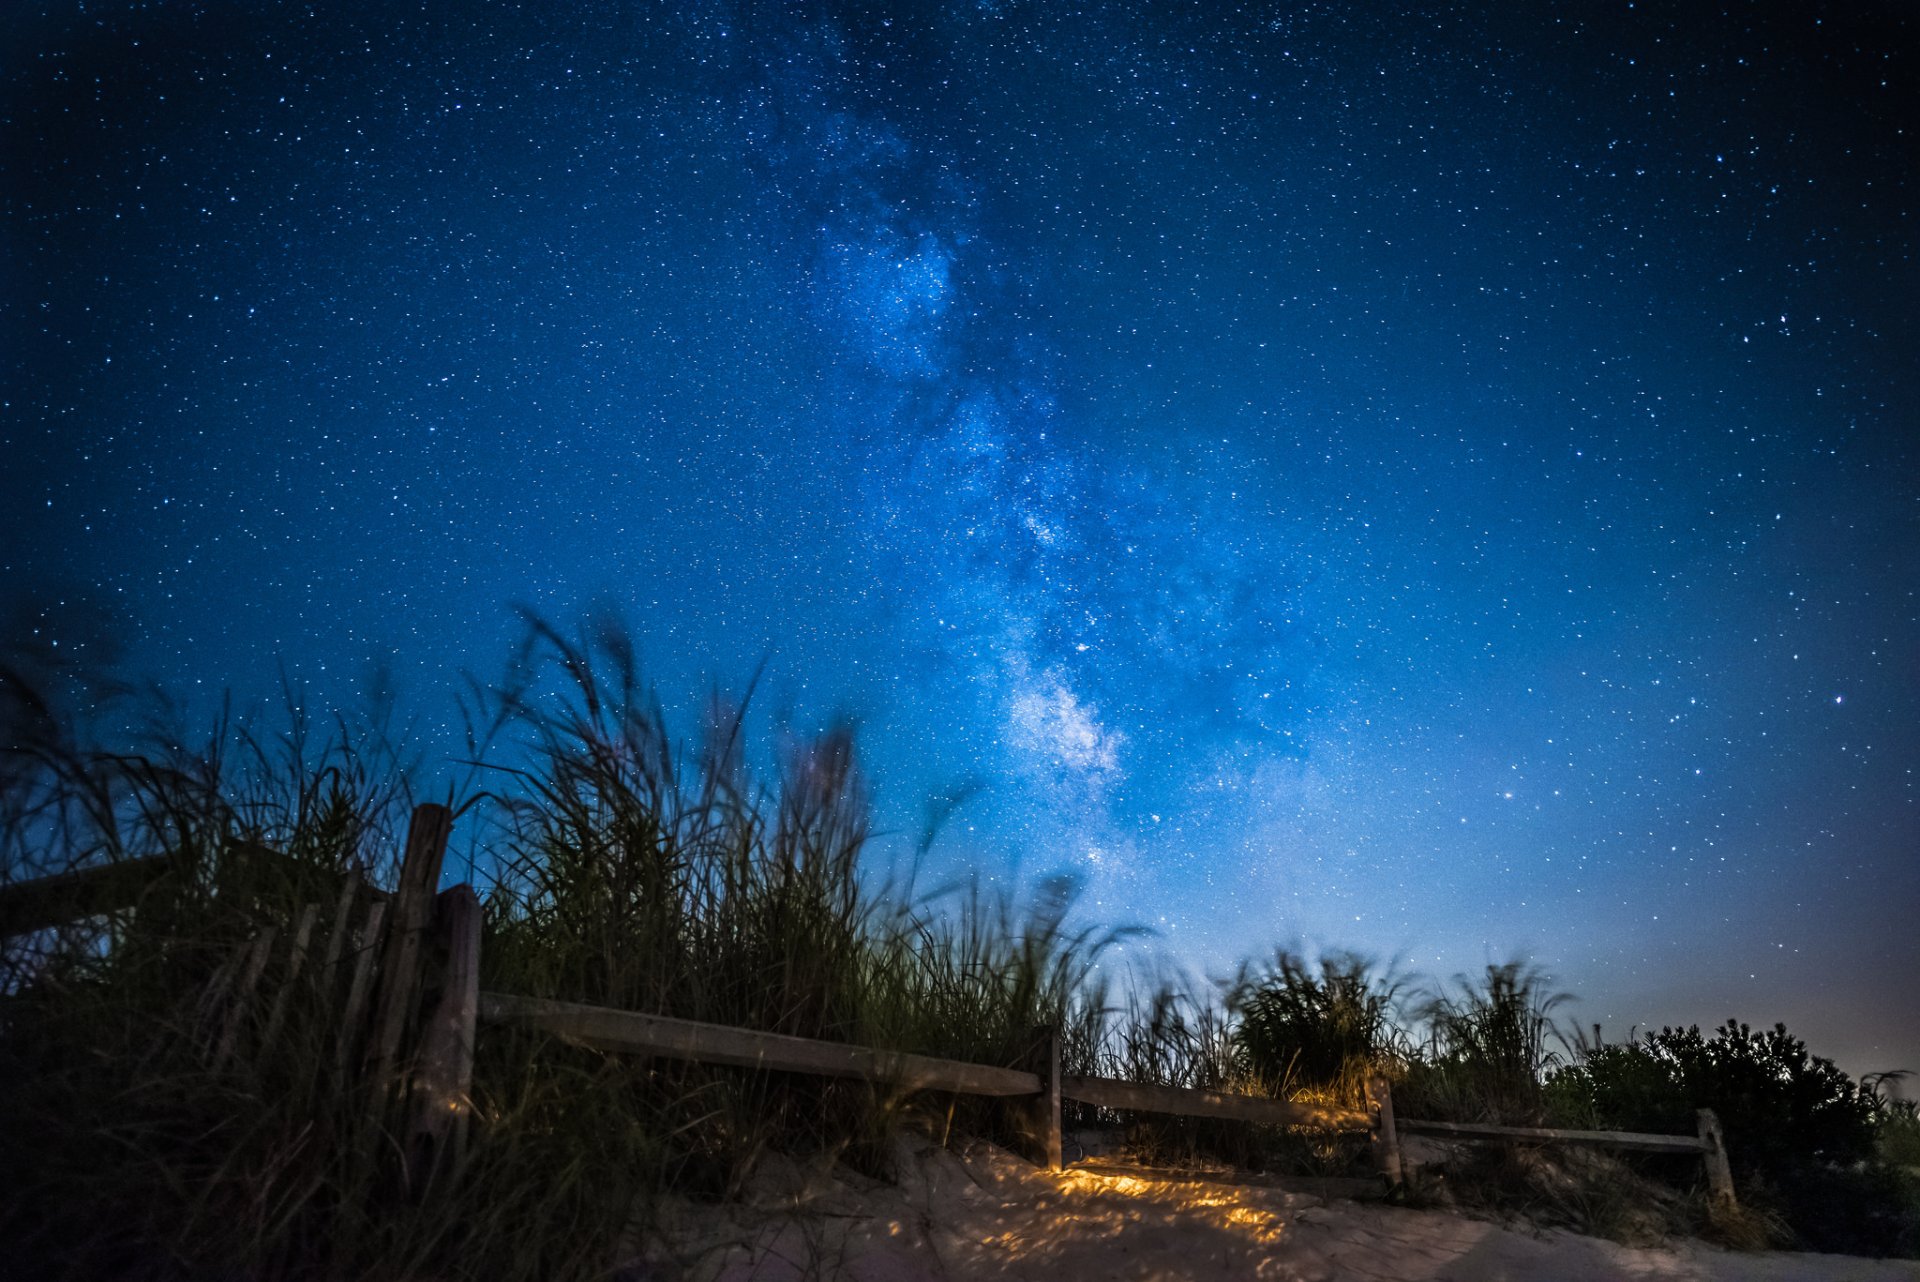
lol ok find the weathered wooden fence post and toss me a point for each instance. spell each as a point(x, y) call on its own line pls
point(1050, 1096)
point(256, 954)
point(342, 919)
point(1720, 1197)
point(443, 1075)
point(1386, 1135)
point(349, 1042)
point(297, 960)
point(1041, 1116)
point(412, 914)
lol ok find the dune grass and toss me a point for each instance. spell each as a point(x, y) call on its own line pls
point(617, 868)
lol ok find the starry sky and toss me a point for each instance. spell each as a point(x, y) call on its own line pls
point(1438, 480)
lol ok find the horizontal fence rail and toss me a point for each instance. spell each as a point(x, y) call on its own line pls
point(1710, 1145)
point(620, 1030)
point(44, 902)
point(41, 903)
point(1546, 1134)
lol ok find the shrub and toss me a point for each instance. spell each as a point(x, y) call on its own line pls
point(1896, 1120)
point(1801, 1135)
point(1779, 1106)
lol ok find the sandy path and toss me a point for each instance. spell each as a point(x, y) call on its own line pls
point(988, 1215)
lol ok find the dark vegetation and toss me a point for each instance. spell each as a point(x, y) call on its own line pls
point(1808, 1144)
point(619, 869)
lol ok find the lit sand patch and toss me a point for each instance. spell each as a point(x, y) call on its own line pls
point(986, 1214)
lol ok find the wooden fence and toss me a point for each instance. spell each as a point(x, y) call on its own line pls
point(417, 1035)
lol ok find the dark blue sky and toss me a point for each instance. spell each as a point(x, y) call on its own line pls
point(1435, 480)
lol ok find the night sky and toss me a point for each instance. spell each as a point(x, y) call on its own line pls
point(1440, 481)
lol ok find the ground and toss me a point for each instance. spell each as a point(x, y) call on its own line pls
point(983, 1213)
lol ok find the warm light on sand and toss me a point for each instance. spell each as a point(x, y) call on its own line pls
point(985, 1214)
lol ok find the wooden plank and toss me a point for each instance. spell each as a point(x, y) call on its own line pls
point(630, 1031)
point(1386, 1132)
point(43, 902)
point(412, 912)
point(1720, 1198)
point(213, 1000)
point(349, 1033)
point(1481, 1131)
point(342, 914)
point(265, 863)
point(256, 954)
point(1104, 1092)
point(443, 1078)
point(302, 936)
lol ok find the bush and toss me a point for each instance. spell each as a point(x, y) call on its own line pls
point(1896, 1120)
point(1779, 1106)
point(1801, 1135)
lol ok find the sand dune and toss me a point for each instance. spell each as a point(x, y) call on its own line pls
point(986, 1214)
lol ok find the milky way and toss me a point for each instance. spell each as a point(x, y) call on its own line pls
point(1428, 480)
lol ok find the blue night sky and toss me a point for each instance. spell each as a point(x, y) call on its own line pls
point(1435, 480)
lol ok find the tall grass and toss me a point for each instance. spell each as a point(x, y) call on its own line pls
point(1489, 1047)
point(624, 872)
point(1321, 1031)
point(137, 1151)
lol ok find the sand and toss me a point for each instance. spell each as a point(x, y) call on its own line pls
point(984, 1213)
